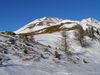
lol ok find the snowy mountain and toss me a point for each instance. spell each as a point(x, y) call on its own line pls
point(52, 41)
point(46, 22)
point(38, 24)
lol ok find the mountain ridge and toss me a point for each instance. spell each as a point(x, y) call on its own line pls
point(49, 21)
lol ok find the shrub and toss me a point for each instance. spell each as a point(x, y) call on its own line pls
point(0, 61)
point(85, 61)
point(57, 55)
point(12, 41)
point(97, 32)
point(49, 46)
point(25, 51)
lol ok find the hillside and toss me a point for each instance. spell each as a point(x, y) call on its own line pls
point(52, 41)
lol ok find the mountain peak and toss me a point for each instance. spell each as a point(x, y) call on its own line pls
point(39, 23)
point(90, 19)
point(50, 19)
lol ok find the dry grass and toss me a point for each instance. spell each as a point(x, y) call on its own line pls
point(52, 29)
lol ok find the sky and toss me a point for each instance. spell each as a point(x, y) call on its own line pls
point(14, 14)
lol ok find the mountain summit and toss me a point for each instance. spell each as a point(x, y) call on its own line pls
point(91, 20)
point(38, 24)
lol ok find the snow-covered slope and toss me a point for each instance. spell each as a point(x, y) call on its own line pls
point(90, 22)
point(46, 22)
point(38, 24)
point(51, 69)
point(52, 41)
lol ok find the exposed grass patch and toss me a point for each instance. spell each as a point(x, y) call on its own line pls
point(52, 29)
